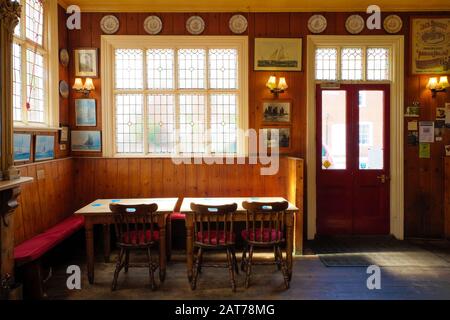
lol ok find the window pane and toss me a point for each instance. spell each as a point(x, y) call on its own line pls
point(17, 82)
point(223, 66)
point(224, 123)
point(129, 123)
point(192, 135)
point(161, 123)
point(334, 134)
point(351, 64)
point(34, 20)
point(378, 64)
point(160, 66)
point(129, 69)
point(191, 68)
point(35, 86)
point(326, 64)
point(371, 124)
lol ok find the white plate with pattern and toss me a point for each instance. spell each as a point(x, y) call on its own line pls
point(109, 24)
point(153, 25)
point(238, 24)
point(393, 23)
point(195, 25)
point(317, 23)
point(355, 24)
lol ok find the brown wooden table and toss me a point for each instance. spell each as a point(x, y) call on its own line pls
point(98, 212)
point(240, 216)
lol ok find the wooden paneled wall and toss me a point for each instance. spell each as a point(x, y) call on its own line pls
point(47, 200)
point(447, 198)
point(424, 178)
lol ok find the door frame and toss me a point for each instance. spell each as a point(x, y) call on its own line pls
point(396, 45)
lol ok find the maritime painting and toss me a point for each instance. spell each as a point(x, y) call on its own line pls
point(85, 113)
point(44, 148)
point(86, 141)
point(279, 54)
point(431, 46)
point(22, 147)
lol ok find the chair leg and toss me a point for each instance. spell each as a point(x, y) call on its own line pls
point(200, 261)
point(284, 269)
point(244, 258)
point(277, 257)
point(197, 268)
point(231, 267)
point(118, 268)
point(235, 262)
point(249, 267)
point(127, 260)
point(150, 269)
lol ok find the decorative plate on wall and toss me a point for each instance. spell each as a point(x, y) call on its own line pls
point(317, 23)
point(109, 24)
point(238, 24)
point(153, 25)
point(195, 25)
point(354, 24)
point(64, 89)
point(393, 23)
point(64, 57)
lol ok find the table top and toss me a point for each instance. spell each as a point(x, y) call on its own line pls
point(101, 206)
point(186, 206)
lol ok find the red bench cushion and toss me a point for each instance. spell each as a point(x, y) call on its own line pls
point(177, 216)
point(36, 247)
point(203, 237)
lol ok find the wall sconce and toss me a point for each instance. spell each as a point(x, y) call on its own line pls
point(85, 88)
point(438, 86)
point(275, 88)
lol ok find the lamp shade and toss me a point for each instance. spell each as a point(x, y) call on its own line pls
point(78, 85)
point(89, 84)
point(282, 85)
point(443, 82)
point(272, 83)
point(432, 83)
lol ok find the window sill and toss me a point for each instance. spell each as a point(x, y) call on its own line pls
point(34, 128)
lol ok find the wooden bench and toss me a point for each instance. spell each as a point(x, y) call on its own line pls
point(28, 255)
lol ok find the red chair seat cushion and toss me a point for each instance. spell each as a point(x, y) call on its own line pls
point(36, 247)
point(268, 235)
point(138, 237)
point(177, 216)
point(203, 237)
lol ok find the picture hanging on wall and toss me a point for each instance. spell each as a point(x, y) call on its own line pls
point(22, 147)
point(277, 111)
point(86, 63)
point(85, 113)
point(44, 148)
point(278, 54)
point(284, 137)
point(86, 141)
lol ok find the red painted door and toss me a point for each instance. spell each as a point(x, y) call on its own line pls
point(353, 160)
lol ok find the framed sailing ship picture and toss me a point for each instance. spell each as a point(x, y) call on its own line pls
point(86, 141)
point(277, 111)
point(430, 45)
point(22, 147)
point(44, 148)
point(278, 54)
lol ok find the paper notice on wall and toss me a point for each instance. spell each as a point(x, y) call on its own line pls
point(413, 126)
point(375, 159)
point(426, 131)
point(424, 151)
point(447, 115)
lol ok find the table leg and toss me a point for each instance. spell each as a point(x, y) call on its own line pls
point(106, 242)
point(289, 248)
point(189, 251)
point(162, 252)
point(90, 249)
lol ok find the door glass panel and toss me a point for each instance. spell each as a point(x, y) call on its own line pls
point(371, 124)
point(334, 153)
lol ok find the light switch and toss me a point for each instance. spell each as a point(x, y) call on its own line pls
point(40, 174)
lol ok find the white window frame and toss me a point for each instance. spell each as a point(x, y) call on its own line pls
point(110, 43)
point(50, 52)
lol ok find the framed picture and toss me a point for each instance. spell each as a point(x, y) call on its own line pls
point(22, 147)
point(86, 141)
point(430, 45)
point(44, 148)
point(284, 137)
point(278, 54)
point(85, 112)
point(86, 63)
point(277, 111)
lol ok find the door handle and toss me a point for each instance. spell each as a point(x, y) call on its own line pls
point(384, 178)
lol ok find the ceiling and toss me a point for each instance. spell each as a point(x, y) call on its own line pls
point(254, 5)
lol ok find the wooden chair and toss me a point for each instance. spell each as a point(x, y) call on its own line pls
point(214, 230)
point(135, 230)
point(264, 229)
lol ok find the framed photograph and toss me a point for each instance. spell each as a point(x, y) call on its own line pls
point(22, 147)
point(85, 112)
point(278, 54)
point(284, 137)
point(86, 141)
point(86, 63)
point(430, 45)
point(44, 148)
point(277, 111)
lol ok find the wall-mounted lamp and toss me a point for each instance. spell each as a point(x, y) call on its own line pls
point(438, 86)
point(85, 88)
point(275, 88)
